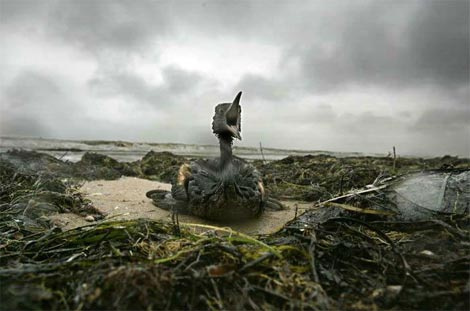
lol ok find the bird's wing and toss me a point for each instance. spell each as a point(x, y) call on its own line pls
point(206, 180)
point(249, 181)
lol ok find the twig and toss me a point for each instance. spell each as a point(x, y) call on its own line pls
point(341, 185)
point(256, 261)
point(175, 221)
point(348, 195)
point(217, 293)
point(311, 250)
point(359, 209)
point(262, 153)
point(66, 152)
point(405, 265)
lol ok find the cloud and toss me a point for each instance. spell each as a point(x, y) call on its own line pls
point(439, 42)
point(263, 88)
point(359, 76)
point(179, 81)
point(21, 11)
point(443, 131)
point(449, 120)
point(99, 26)
point(30, 92)
point(175, 84)
point(30, 103)
point(392, 45)
point(373, 43)
point(17, 125)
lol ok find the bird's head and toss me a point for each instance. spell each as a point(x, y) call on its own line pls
point(227, 119)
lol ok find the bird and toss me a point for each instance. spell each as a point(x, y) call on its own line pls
point(226, 188)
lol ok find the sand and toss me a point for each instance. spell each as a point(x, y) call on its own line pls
point(125, 199)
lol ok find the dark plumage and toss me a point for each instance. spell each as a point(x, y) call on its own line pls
point(226, 188)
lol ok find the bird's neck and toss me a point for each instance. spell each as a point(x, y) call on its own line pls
point(225, 143)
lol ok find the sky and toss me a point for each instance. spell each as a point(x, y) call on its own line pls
point(315, 75)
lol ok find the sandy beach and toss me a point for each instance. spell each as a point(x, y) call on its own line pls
point(125, 198)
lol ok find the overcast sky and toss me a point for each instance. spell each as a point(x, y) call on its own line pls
point(319, 75)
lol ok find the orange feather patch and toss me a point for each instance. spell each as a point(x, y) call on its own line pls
point(184, 173)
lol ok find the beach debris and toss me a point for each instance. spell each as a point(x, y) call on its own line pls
point(160, 166)
point(319, 178)
point(414, 197)
point(332, 257)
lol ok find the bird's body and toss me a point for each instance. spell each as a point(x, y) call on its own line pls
point(232, 193)
point(226, 188)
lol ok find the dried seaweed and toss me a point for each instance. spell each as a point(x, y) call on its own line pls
point(161, 166)
point(327, 258)
point(322, 177)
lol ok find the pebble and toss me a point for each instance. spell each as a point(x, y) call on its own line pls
point(90, 218)
point(394, 290)
point(428, 253)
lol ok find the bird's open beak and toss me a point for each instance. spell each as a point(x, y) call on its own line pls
point(235, 132)
point(233, 116)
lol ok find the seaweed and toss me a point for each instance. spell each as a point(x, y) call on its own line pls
point(32, 162)
point(342, 263)
point(339, 255)
point(26, 198)
point(322, 177)
point(161, 166)
point(140, 265)
point(97, 166)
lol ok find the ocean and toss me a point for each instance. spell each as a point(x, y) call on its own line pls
point(72, 150)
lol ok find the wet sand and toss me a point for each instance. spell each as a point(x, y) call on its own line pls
point(125, 199)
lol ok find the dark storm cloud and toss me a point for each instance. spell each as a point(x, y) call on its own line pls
point(32, 91)
point(369, 124)
point(31, 102)
point(323, 51)
point(109, 24)
point(128, 85)
point(250, 20)
point(311, 113)
point(18, 125)
point(38, 104)
point(176, 83)
point(384, 43)
point(443, 131)
point(393, 44)
point(124, 25)
point(322, 113)
point(20, 11)
point(444, 120)
point(439, 41)
point(263, 88)
point(434, 131)
point(179, 81)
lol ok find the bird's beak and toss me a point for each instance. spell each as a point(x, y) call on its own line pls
point(235, 132)
point(236, 101)
point(233, 116)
